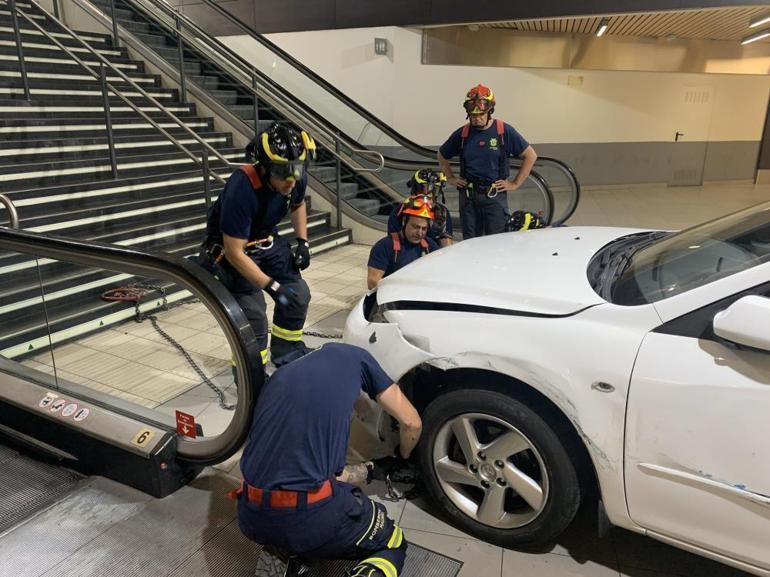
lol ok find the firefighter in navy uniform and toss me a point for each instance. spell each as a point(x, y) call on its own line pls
point(427, 182)
point(291, 498)
point(398, 249)
point(484, 146)
point(243, 248)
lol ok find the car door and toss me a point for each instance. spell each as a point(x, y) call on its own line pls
point(697, 462)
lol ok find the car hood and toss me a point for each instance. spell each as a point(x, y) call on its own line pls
point(539, 272)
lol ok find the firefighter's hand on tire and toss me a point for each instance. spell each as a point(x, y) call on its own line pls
point(282, 294)
point(302, 254)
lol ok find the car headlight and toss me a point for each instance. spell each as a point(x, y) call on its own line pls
point(373, 312)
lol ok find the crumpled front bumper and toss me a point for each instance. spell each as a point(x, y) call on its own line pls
point(383, 340)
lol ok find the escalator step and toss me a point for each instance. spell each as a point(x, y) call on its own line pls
point(28, 486)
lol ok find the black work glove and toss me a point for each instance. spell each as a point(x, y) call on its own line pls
point(282, 294)
point(302, 254)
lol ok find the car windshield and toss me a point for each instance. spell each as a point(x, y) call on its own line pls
point(691, 258)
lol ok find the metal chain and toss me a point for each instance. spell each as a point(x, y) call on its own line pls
point(154, 320)
point(321, 335)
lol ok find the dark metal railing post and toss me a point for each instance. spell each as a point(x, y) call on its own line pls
point(56, 12)
point(206, 180)
point(19, 49)
point(338, 166)
point(180, 45)
point(256, 103)
point(108, 121)
point(115, 39)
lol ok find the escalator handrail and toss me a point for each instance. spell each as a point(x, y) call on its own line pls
point(220, 303)
point(371, 118)
point(332, 132)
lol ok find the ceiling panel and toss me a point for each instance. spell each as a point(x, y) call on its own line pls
point(709, 24)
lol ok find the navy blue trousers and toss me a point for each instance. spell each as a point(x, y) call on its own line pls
point(481, 215)
point(348, 525)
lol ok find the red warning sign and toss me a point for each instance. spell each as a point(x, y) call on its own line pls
point(185, 424)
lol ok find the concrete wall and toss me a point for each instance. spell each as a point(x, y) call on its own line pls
point(612, 127)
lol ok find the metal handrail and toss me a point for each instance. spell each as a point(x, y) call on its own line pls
point(119, 94)
point(246, 74)
point(371, 118)
point(218, 301)
point(321, 125)
point(11, 208)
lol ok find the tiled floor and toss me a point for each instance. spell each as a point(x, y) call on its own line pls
point(135, 363)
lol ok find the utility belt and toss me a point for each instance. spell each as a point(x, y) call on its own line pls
point(216, 252)
point(282, 499)
point(475, 188)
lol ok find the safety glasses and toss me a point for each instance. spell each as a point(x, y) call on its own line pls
point(477, 106)
point(287, 170)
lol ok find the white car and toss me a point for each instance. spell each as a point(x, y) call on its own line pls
point(548, 364)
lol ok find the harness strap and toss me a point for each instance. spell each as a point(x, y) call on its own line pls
point(251, 172)
point(500, 127)
point(396, 238)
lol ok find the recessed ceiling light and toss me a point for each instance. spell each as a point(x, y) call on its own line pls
point(759, 21)
point(755, 37)
point(603, 25)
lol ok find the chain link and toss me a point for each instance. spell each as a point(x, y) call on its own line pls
point(140, 316)
point(320, 335)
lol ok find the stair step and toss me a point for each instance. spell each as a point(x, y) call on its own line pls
point(16, 152)
point(91, 38)
point(31, 176)
point(134, 26)
point(369, 207)
point(59, 61)
point(207, 82)
point(152, 40)
point(29, 43)
point(53, 129)
point(146, 81)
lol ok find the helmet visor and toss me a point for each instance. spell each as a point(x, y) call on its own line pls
point(477, 106)
point(287, 170)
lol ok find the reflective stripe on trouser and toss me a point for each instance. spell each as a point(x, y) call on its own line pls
point(288, 322)
point(386, 540)
point(286, 334)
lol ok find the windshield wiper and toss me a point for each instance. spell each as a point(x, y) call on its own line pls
point(619, 262)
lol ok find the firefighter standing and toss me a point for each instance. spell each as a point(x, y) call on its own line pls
point(484, 146)
point(243, 248)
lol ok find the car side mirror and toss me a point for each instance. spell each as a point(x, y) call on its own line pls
point(746, 322)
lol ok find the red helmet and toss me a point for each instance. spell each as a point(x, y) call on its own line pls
point(480, 99)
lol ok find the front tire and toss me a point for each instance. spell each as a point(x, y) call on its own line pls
point(497, 468)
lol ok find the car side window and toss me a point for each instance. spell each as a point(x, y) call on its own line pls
point(698, 324)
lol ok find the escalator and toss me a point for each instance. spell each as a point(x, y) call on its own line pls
point(97, 476)
point(105, 402)
point(271, 85)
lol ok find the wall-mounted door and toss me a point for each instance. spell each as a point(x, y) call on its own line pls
point(690, 136)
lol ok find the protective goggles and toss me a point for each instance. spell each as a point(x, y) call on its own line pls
point(287, 170)
point(477, 106)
